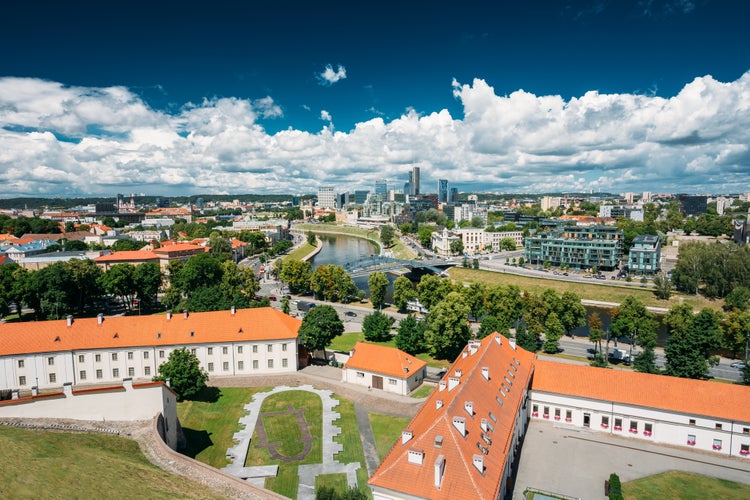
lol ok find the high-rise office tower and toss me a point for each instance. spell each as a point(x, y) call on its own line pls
point(414, 181)
point(326, 198)
point(442, 190)
point(453, 196)
point(381, 189)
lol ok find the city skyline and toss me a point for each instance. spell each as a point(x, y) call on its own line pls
point(584, 96)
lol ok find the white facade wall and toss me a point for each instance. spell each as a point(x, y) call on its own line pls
point(478, 240)
point(714, 435)
point(392, 384)
point(112, 365)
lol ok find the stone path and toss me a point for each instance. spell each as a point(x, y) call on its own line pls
point(307, 473)
point(368, 439)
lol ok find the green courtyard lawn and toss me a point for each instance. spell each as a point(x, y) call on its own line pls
point(424, 391)
point(349, 437)
point(210, 422)
point(41, 464)
point(345, 343)
point(685, 486)
point(300, 252)
point(386, 429)
point(604, 291)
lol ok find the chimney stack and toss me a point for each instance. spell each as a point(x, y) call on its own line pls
point(233, 310)
point(469, 407)
point(99, 318)
point(439, 470)
point(406, 436)
point(460, 424)
point(453, 383)
point(169, 315)
point(185, 313)
point(438, 404)
point(69, 318)
point(478, 461)
point(486, 373)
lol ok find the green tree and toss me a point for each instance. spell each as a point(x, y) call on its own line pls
point(631, 320)
point(526, 340)
point(85, 278)
point(475, 296)
point(553, 330)
point(147, 279)
point(507, 243)
point(534, 314)
point(377, 327)
point(319, 327)
point(296, 273)
point(447, 327)
point(425, 235)
point(662, 287)
point(76, 246)
point(746, 374)
point(596, 334)
point(378, 284)
point(736, 330)
point(432, 289)
point(387, 235)
point(285, 308)
point(410, 336)
point(571, 312)
point(333, 283)
point(403, 292)
point(119, 281)
point(457, 247)
point(738, 298)
point(200, 270)
point(184, 373)
point(505, 303)
point(312, 239)
point(490, 325)
point(692, 340)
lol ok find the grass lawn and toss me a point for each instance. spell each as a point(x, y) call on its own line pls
point(345, 342)
point(373, 235)
point(424, 391)
point(300, 252)
point(349, 437)
point(39, 464)
point(284, 429)
point(386, 429)
point(608, 292)
point(335, 481)
point(683, 485)
point(210, 424)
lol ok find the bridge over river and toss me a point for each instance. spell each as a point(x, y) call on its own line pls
point(380, 263)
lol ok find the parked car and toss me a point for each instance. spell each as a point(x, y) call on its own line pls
point(738, 364)
point(351, 314)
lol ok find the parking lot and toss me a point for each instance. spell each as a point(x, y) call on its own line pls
point(575, 462)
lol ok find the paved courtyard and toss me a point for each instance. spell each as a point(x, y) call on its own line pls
point(575, 462)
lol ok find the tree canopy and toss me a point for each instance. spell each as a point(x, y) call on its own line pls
point(184, 373)
point(320, 325)
point(377, 327)
point(378, 284)
point(447, 327)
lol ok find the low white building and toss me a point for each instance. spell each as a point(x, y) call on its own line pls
point(98, 350)
point(682, 412)
point(383, 368)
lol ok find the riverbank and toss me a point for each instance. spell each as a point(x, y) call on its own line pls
point(343, 231)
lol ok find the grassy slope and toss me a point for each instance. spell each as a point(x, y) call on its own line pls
point(608, 292)
point(39, 464)
point(684, 485)
point(386, 429)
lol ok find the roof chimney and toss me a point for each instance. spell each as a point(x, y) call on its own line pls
point(415, 456)
point(512, 343)
point(483, 424)
point(438, 441)
point(478, 461)
point(234, 310)
point(469, 407)
point(441, 386)
point(69, 318)
point(499, 339)
point(439, 470)
point(185, 313)
point(438, 404)
point(406, 436)
point(453, 383)
point(460, 424)
point(486, 373)
point(459, 372)
point(169, 315)
point(99, 318)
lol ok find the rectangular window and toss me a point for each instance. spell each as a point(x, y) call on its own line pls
point(691, 439)
point(255, 364)
point(269, 347)
point(568, 415)
point(618, 424)
point(605, 421)
point(82, 375)
point(192, 351)
point(115, 373)
point(51, 360)
point(98, 358)
point(546, 412)
point(634, 426)
point(240, 365)
point(270, 363)
point(226, 366)
point(648, 429)
point(52, 378)
point(284, 363)
point(392, 381)
point(360, 375)
point(718, 427)
point(81, 358)
point(210, 351)
point(99, 374)
point(224, 350)
point(145, 354)
point(20, 363)
point(692, 421)
point(535, 408)
point(557, 413)
point(283, 347)
point(161, 354)
point(130, 355)
point(210, 367)
point(147, 371)
point(114, 356)
point(131, 372)
point(745, 449)
point(255, 348)
point(239, 349)
point(746, 430)
point(717, 444)
point(21, 380)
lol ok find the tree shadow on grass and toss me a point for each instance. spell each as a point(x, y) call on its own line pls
point(196, 441)
point(207, 395)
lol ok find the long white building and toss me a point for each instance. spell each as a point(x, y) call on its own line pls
point(48, 354)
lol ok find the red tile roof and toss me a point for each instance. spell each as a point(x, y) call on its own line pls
point(262, 323)
point(128, 256)
point(384, 360)
point(461, 480)
point(696, 397)
point(180, 247)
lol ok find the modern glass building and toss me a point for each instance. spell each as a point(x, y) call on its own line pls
point(576, 247)
point(645, 254)
point(443, 190)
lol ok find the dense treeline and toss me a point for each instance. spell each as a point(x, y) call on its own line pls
point(23, 225)
point(713, 269)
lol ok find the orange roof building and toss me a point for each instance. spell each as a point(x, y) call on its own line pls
point(464, 439)
point(106, 350)
point(383, 368)
point(134, 257)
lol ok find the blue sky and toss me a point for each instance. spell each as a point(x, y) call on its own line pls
point(187, 97)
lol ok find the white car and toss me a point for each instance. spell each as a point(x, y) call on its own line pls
point(738, 364)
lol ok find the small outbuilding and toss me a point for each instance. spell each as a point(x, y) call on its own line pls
point(383, 368)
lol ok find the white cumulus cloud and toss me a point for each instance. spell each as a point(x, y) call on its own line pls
point(329, 76)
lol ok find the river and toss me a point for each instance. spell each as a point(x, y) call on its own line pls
point(342, 249)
